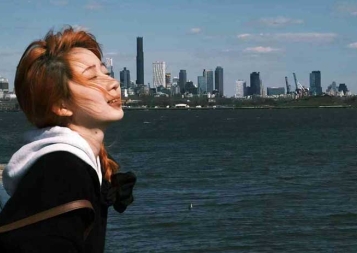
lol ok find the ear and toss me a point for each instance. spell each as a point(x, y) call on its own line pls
point(61, 110)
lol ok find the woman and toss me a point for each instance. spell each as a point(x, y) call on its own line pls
point(65, 91)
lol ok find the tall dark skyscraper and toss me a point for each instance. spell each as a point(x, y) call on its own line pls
point(139, 61)
point(255, 84)
point(315, 83)
point(182, 80)
point(218, 79)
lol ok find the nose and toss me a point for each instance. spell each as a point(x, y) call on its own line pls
point(114, 84)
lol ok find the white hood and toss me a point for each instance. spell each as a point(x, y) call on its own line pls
point(44, 141)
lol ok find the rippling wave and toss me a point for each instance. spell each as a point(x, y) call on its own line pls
point(258, 180)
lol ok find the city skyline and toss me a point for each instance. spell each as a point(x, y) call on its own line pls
point(274, 38)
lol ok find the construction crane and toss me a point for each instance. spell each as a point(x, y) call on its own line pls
point(300, 90)
point(287, 85)
point(296, 82)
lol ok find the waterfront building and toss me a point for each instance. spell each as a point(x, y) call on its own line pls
point(315, 83)
point(202, 85)
point(182, 80)
point(4, 84)
point(241, 87)
point(125, 78)
point(255, 84)
point(275, 91)
point(158, 74)
point(218, 78)
point(175, 89)
point(175, 80)
point(139, 61)
point(109, 65)
point(10, 96)
point(332, 89)
point(168, 79)
point(208, 74)
point(342, 87)
point(190, 88)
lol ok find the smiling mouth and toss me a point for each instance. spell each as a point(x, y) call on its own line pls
point(115, 100)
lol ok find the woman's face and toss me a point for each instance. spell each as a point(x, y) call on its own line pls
point(93, 107)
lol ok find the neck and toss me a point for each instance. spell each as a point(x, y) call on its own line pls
point(94, 137)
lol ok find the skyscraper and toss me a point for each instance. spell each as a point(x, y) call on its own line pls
point(109, 65)
point(202, 84)
point(255, 84)
point(218, 79)
point(139, 61)
point(168, 79)
point(125, 78)
point(315, 83)
point(209, 78)
point(241, 87)
point(158, 74)
point(182, 80)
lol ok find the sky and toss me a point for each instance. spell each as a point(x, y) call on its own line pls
point(274, 37)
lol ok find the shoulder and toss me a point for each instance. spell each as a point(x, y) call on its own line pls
point(61, 165)
point(57, 178)
point(54, 179)
point(61, 159)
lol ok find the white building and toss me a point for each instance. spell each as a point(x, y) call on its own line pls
point(4, 84)
point(10, 96)
point(158, 73)
point(241, 86)
point(109, 65)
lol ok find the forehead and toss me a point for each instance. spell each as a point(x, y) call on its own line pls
point(83, 56)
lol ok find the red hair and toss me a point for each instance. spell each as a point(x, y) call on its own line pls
point(42, 78)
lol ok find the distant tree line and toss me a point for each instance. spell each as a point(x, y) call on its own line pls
point(203, 101)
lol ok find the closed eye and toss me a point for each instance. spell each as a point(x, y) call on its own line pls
point(94, 77)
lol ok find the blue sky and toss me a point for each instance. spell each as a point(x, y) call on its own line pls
point(274, 37)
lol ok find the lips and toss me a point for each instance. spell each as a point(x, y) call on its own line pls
point(114, 101)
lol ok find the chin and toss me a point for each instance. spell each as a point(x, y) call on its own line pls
point(120, 114)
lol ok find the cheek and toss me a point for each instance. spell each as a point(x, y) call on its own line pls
point(93, 104)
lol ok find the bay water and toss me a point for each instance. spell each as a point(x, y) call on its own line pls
point(248, 180)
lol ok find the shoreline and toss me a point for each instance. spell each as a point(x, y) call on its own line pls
point(237, 108)
point(221, 107)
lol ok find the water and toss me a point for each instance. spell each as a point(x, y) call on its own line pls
point(258, 180)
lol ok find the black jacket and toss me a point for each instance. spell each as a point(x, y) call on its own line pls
point(54, 179)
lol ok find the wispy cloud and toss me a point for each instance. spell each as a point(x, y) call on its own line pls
point(289, 37)
point(279, 21)
point(195, 30)
point(93, 6)
point(353, 45)
point(59, 2)
point(347, 7)
point(119, 56)
point(110, 53)
point(244, 36)
point(261, 50)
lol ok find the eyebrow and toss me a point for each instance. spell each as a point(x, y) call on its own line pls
point(92, 66)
